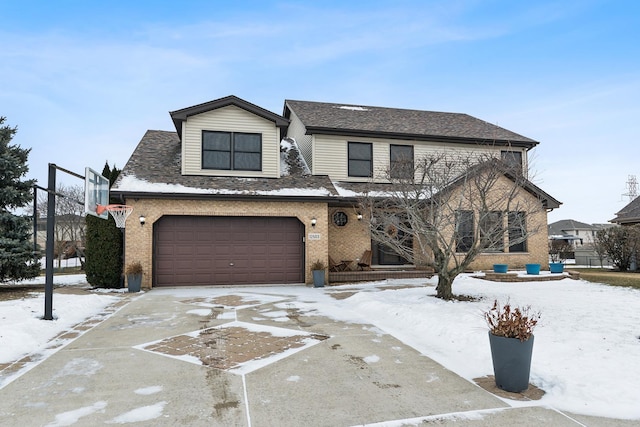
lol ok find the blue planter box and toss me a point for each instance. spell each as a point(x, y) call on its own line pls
point(556, 267)
point(500, 268)
point(533, 268)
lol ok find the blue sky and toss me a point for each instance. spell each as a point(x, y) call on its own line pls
point(84, 80)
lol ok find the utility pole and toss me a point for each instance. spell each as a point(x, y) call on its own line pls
point(632, 188)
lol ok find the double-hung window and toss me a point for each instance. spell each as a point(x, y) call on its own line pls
point(513, 159)
point(491, 231)
point(360, 159)
point(401, 161)
point(231, 151)
point(464, 231)
point(517, 231)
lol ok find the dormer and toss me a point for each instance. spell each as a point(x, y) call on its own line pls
point(229, 137)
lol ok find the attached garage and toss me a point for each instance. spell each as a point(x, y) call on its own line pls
point(225, 250)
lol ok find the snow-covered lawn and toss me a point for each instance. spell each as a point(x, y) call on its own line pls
point(24, 332)
point(586, 352)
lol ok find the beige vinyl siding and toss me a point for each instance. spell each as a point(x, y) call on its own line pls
point(469, 151)
point(297, 131)
point(230, 119)
point(330, 154)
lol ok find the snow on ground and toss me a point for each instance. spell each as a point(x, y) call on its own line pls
point(58, 280)
point(586, 353)
point(587, 347)
point(24, 332)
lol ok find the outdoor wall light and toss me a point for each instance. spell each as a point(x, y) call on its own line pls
point(359, 217)
point(313, 222)
point(142, 219)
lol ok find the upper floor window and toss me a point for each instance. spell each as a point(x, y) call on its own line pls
point(361, 159)
point(401, 161)
point(231, 150)
point(513, 159)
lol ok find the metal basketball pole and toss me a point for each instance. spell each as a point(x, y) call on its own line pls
point(51, 219)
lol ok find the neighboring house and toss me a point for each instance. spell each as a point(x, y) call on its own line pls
point(241, 195)
point(580, 236)
point(575, 233)
point(629, 215)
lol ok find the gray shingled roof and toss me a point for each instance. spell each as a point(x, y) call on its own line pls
point(157, 159)
point(353, 120)
point(360, 188)
point(630, 214)
point(564, 225)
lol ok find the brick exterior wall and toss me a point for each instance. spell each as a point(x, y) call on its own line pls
point(139, 238)
point(537, 248)
point(536, 223)
point(348, 242)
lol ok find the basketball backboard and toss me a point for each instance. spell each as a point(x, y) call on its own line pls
point(96, 192)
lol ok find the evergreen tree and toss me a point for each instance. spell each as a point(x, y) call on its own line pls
point(17, 258)
point(103, 264)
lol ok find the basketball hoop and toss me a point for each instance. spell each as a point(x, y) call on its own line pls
point(120, 213)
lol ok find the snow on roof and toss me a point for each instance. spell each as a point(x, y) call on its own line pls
point(367, 192)
point(353, 108)
point(131, 183)
point(343, 192)
point(291, 160)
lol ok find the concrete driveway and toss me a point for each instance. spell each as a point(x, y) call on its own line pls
point(247, 357)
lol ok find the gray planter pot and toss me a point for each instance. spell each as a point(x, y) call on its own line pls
point(511, 362)
point(134, 282)
point(318, 278)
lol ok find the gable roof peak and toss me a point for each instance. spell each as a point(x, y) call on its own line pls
point(179, 116)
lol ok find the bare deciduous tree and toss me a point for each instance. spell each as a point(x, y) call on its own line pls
point(599, 247)
point(560, 250)
point(621, 244)
point(445, 209)
point(70, 223)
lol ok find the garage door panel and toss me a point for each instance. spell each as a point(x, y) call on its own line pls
point(183, 251)
point(202, 238)
point(192, 250)
point(201, 264)
point(205, 251)
point(166, 251)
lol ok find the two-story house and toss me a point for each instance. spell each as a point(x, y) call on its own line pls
point(574, 233)
point(241, 195)
point(628, 215)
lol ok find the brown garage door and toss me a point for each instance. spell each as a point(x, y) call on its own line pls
point(208, 250)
